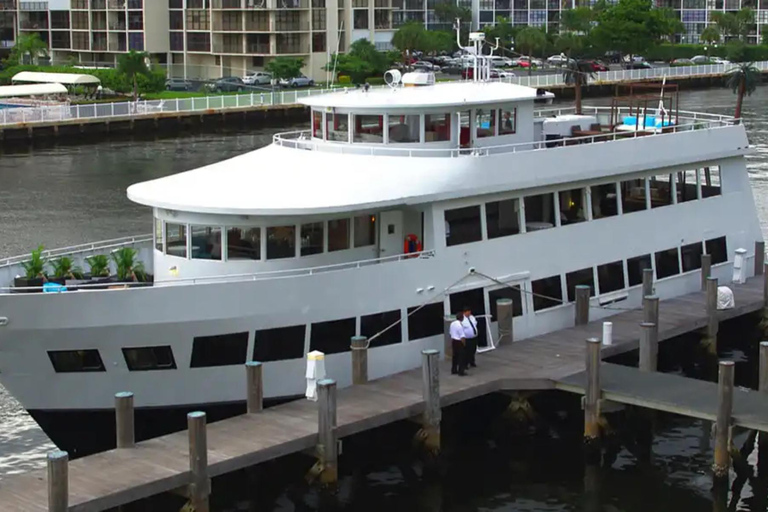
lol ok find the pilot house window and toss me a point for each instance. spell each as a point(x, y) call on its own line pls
point(176, 240)
point(485, 123)
point(507, 121)
point(404, 129)
point(317, 124)
point(337, 127)
point(281, 242)
point(369, 129)
point(244, 243)
point(437, 127)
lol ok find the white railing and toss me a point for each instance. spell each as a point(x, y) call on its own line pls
point(47, 114)
point(79, 249)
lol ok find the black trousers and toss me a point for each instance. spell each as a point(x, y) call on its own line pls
point(459, 358)
point(471, 350)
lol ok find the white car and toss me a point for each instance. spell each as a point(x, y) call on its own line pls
point(505, 74)
point(258, 78)
point(501, 62)
point(427, 66)
point(718, 60)
point(557, 60)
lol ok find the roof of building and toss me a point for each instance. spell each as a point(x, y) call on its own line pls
point(15, 91)
point(55, 78)
point(447, 94)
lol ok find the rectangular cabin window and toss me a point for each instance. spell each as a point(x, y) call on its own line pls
point(547, 293)
point(176, 240)
point(332, 337)
point(279, 344)
point(149, 358)
point(576, 278)
point(462, 226)
point(573, 206)
point(337, 127)
point(610, 277)
point(485, 123)
point(244, 243)
point(404, 129)
point(633, 195)
point(281, 242)
point(74, 361)
point(604, 201)
point(219, 350)
point(437, 127)
point(206, 242)
point(425, 322)
point(686, 186)
point(710, 181)
point(539, 212)
point(317, 124)
point(512, 293)
point(376, 323)
point(159, 235)
point(691, 256)
point(667, 263)
point(365, 230)
point(502, 218)
point(635, 267)
point(661, 190)
point(369, 129)
point(312, 238)
point(507, 121)
point(464, 133)
point(338, 235)
point(718, 249)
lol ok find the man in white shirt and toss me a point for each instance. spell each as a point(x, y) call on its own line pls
point(458, 345)
point(469, 324)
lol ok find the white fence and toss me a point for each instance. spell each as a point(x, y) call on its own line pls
point(47, 114)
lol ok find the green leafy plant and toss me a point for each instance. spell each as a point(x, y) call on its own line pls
point(65, 267)
point(128, 267)
point(35, 266)
point(742, 80)
point(133, 64)
point(98, 265)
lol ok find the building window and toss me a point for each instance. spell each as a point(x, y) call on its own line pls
point(633, 195)
point(686, 186)
point(198, 42)
point(176, 20)
point(177, 41)
point(149, 358)
point(485, 123)
point(281, 242)
point(539, 212)
point(635, 267)
point(425, 322)
point(244, 243)
point(206, 243)
point(579, 277)
point(610, 277)
point(508, 121)
point(710, 181)
point(198, 20)
point(319, 41)
point(332, 337)
point(718, 249)
point(667, 263)
point(604, 201)
point(176, 240)
point(374, 324)
point(360, 19)
point(159, 235)
point(547, 293)
point(509, 292)
point(74, 361)
point(312, 238)
point(219, 350)
point(279, 344)
point(691, 256)
point(661, 190)
point(502, 218)
point(404, 129)
point(572, 206)
point(462, 226)
point(368, 129)
point(338, 235)
point(337, 127)
point(437, 127)
point(365, 230)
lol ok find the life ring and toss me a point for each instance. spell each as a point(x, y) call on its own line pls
point(412, 244)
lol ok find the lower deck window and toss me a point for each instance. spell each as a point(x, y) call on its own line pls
point(667, 263)
point(661, 190)
point(279, 344)
point(281, 242)
point(219, 350)
point(691, 256)
point(635, 267)
point(73, 361)
point(583, 277)
point(547, 293)
point(572, 206)
point(371, 325)
point(710, 181)
point(687, 190)
point(718, 249)
point(604, 201)
point(149, 358)
point(512, 293)
point(332, 337)
point(502, 218)
point(539, 212)
point(425, 322)
point(610, 277)
point(633, 195)
point(462, 226)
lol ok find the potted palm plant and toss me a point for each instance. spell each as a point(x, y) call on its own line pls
point(98, 268)
point(34, 269)
point(64, 268)
point(129, 269)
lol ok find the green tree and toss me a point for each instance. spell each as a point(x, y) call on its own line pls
point(285, 67)
point(569, 42)
point(27, 49)
point(441, 41)
point(412, 36)
point(356, 68)
point(447, 12)
point(579, 20)
point(710, 36)
point(734, 25)
point(133, 64)
point(742, 80)
point(577, 75)
point(736, 50)
point(529, 41)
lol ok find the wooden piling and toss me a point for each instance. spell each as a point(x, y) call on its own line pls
point(582, 304)
point(505, 316)
point(124, 425)
point(651, 309)
point(712, 322)
point(649, 347)
point(326, 425)
point(647, 282)
point(759, 257)
point(706, 270)
point(199, 485)
point(447, 342)
point(592, 397)
point(58, 481)
point(359, 359)
point(723, 424)
point(254, 387)
point(430, 423)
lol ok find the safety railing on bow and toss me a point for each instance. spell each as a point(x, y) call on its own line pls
point(115, 243)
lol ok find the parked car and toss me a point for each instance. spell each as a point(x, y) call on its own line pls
point(178, 84)
point(228, 84)
point(637, 65)
point(557, 60)
point(594, 65)
point(718, 60)
point(452, 70)
point(426, 66)
point(501, 62)
point(506, 74)
point(613, 57)
point(297, 81)
point(525, 61)
point(258, 78)
point(700, 59)
point(682, 62)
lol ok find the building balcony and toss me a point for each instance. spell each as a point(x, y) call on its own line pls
point(229, 4)
point(258, 48)
point(227, 27)
point(292, 49)
point(292, 27)
point(257, 27)
point(228, 48)
point(33, 6)
point(7, 5)
point(99, 47)
point(33, 25)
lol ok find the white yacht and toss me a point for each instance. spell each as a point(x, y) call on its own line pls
point(397, 207)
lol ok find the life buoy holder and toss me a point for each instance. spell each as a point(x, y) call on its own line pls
point(412, 244)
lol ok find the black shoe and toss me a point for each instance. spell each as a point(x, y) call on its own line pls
point(454, 372)
point(473, 365)
point(462, 374)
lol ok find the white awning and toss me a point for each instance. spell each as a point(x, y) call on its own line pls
point(55, 78)
point(9, 91)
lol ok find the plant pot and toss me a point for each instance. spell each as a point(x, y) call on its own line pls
point(23, 282)
point(57, 280)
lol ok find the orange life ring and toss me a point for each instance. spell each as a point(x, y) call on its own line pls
point(411, 244)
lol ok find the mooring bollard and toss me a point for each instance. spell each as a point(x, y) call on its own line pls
point(200, 484)
point(430, 423)
point(582, 304)
point(607, 333)
point(712, 322)
point(706, 270)
point(124, 424)
point(723, 424)
point(651, 309)
point(447, 342)
point(326, 425)
point(254, 387)
point(359, 345)
point(649, 347)
point(759, 257)
point(647, 282)
point(505, 316)
point(592, 399)
point(58, 481)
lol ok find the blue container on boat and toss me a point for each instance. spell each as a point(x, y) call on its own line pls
point(53, 288)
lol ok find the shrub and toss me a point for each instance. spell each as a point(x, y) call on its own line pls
point(375, 80)
point(345, 79)
point(110, 78)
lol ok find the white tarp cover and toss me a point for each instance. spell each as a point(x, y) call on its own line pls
point(16, 91)
point(55, 78)
point(725, 298)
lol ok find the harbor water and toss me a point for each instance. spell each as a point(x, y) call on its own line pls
point(63, 195)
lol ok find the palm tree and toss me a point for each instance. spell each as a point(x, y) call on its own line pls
point(29, 45)
point(133, 64)
point(577, 75)
point(742, 80)
point(710, 36)
point(529, 40)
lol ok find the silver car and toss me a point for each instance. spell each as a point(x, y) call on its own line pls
point(258, 78)
point(297, 81)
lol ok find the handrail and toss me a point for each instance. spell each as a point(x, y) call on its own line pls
point(77, 249)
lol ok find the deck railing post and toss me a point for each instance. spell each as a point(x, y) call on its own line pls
point(326, 424)
point(254, 391)
point(582, 304)
point(359, 345)
point(647, 282)
point(722, 427)
point(649, 347)
point(592, 398)
point(505, 316)
point(124, 425)
point(199, 485)
point(706, 270)
point(447, 342)
point(712, 323)
point(58, 481)
point(430, 423)
point(651, 309)
point(759, 257)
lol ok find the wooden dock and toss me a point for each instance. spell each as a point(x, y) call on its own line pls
point(552, 361)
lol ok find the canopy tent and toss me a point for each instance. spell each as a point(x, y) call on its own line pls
point(55, 78)
point(15, 91)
